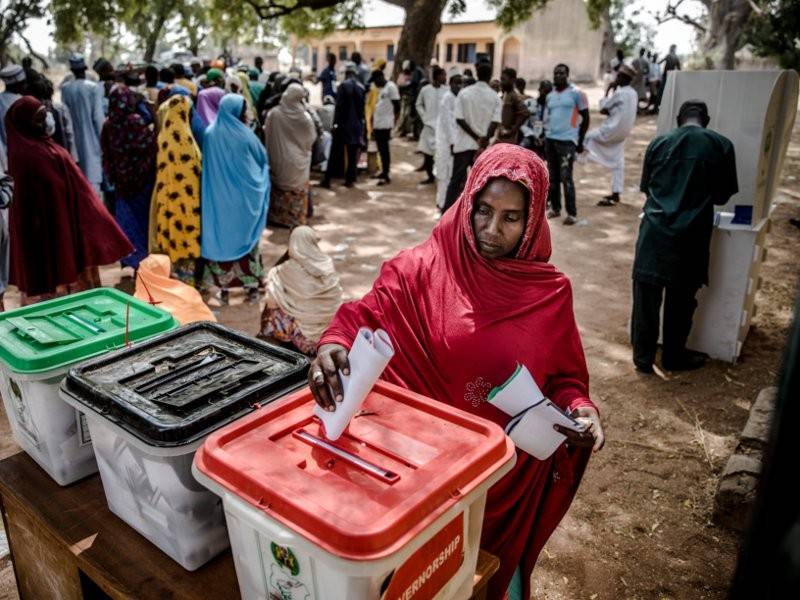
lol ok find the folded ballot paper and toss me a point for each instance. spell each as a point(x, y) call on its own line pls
point(532, 415)
point(369, 355)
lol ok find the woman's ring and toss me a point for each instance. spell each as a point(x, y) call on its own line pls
point(318, 377)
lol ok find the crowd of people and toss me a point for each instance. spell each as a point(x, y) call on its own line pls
point(649, 75)
point(176, 172)
point(455, 117)
point(188, 163)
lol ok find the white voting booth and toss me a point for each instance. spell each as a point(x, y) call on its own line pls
point(756, 111)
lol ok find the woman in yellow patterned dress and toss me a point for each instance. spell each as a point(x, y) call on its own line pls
point(175, 208)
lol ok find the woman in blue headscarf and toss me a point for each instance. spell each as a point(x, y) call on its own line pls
point(235, 201)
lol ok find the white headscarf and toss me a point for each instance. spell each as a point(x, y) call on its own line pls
point(290, 134)
point(306, 286)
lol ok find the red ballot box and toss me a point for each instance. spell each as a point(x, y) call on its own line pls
point(393, 509)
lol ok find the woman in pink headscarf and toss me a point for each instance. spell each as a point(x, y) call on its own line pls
point(208, 104)
point(463, 308)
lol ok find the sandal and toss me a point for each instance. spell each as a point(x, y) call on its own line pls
point(606, 202)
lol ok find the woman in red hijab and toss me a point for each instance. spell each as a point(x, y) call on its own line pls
point(60, 231)
point(463, 308)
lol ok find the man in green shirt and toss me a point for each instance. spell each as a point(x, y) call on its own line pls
point(686, 172)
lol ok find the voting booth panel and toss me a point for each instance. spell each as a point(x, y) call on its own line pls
point(756, 111)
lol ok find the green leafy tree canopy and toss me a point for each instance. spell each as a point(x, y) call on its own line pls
point(774, 30)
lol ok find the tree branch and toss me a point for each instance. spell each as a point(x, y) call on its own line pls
point(756, 8)
point(33, 52)
point(671, 14)
point(271, 9)
point(404, 4)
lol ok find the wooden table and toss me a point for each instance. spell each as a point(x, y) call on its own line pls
point(66, 544)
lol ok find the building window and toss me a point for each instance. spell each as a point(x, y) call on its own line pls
point(466, 53)
point(449, 53)
point(390, 53)
point(490, 52)
point(342, 52)
point(436, 54)
point(314, 60)
point(327, 52)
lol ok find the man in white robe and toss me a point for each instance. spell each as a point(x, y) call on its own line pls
point(606, 144)
point(84, 99)
point(13, 76)
point(428, 102)
point(445, 135)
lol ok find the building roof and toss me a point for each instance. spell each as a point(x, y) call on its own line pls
point(444, 24)
point(382, 14)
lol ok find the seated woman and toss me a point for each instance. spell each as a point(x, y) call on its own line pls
point(235, 200)
point(60, 231)
point(303, 293)
point(154, 285)
point(463, 308)
point(290, 134)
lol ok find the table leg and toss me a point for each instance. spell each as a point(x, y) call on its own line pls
point(43, 568)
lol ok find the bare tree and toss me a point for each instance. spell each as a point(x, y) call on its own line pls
point(721, 28)
point(14, 17)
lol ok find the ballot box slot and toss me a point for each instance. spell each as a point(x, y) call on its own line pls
point(371, 468)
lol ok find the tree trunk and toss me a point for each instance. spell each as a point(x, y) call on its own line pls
point(151, 41)
point(163, 14)
point(609, 47)
point(422, 24)
point(726, 20)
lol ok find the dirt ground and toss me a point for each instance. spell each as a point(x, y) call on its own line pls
point(640, 526)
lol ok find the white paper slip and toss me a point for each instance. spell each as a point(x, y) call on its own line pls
point(532, 431)
point(369, 355)
point(517, 394)
point(532, 415)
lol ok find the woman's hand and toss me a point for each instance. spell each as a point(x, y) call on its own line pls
point(591, 437)
point(323, 376)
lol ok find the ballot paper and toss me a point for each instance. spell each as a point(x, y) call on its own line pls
point(532, 415)
point(369, 355)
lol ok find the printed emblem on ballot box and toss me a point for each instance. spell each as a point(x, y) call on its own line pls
point(431, 567)
point(284, 583)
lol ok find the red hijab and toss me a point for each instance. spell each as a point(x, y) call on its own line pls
point(461, 322)
point(58, 225)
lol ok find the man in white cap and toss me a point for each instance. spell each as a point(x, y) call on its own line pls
point(428, 102)
point(13, 77)
point(84, 99)
point(445, 135)
point(606, 144)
